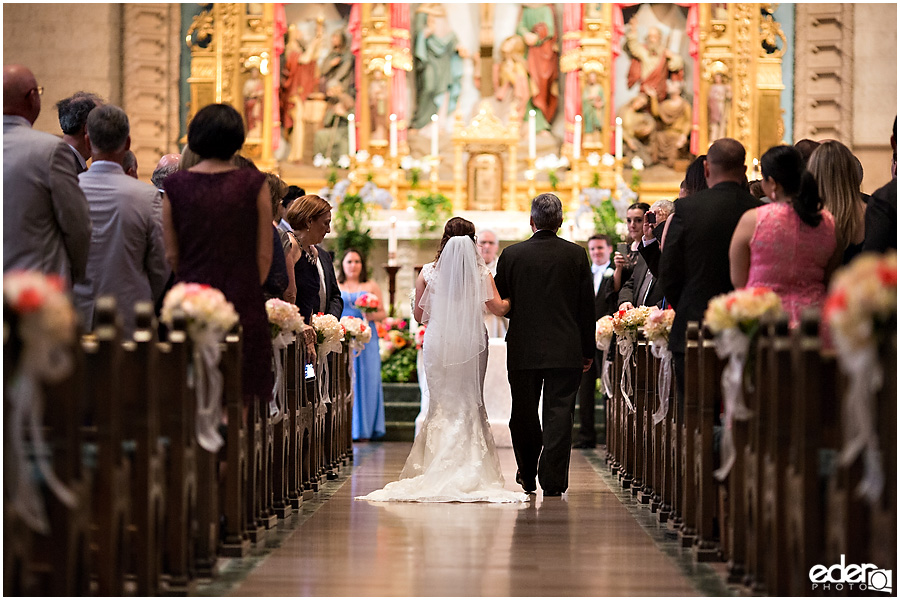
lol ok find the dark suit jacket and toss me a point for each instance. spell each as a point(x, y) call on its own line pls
point(881, 219)
point(334, 304)
point(551, 322)
point(630, 291)
point(652, 253)
point(605, 298)
point(694, 264)
point(306, 276)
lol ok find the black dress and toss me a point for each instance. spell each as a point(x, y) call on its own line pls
point(215, 219)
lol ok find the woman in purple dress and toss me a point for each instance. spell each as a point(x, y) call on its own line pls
point(217, 222)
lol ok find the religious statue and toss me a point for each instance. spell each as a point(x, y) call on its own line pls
point(592, 103)
point(338, 67)
point(638, 126)
point(378, 104)
point(511, 84)
point(331, 140)
point(651, 62)
point(537, 27)
point(253, 93)
point(674, 115)
point(439, 68)
point(719, 98)
point(299, 78)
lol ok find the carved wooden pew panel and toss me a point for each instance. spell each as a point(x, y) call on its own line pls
point(688, 490)
point(709, 402)
point(235, 489)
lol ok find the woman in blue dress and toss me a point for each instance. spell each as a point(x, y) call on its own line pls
point(368, 398)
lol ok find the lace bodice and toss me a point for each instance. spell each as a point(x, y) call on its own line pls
point(429, 272)
point(790, 257)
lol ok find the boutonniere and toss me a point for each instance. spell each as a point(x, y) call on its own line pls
point(609, 272)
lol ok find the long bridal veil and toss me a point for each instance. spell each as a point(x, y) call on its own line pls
point(454, 458)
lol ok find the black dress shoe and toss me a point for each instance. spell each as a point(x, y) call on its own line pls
point(552, 493)
point(582, 445)
point(529, 485)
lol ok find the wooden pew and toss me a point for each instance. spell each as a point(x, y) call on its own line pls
point(688, 531)
point(293, 376)
point(655, 434)
point(671, 505)
point(111, 498)
point(307, 425)
point(347, 437)
point(626, 472)
point(178, 409)
point(638, 430)
point(235, 489)
point(281, 450)
point(883, 524)
point(141, 412)
point(709, 403)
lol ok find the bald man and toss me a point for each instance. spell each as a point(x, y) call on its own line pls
point(46, 226)
point(167, 165)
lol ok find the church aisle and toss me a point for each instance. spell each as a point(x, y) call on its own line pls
point(584, 544)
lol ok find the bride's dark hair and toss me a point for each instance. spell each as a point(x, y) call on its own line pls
point(455, 227)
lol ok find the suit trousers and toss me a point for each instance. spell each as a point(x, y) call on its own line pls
point(586, 398)
point(543, 453)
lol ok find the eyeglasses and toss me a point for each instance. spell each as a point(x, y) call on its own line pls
point(38, 88)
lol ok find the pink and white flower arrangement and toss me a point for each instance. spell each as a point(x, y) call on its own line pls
point(45, 312)
point(626, 323)
point(329, 334)
point(658, 324)
point(862, 299)
point(420, 337)
point(284, 317)
point(204, 306)
point(368, 303)
point(741, 309)
point(357, 332)
point(604, 332)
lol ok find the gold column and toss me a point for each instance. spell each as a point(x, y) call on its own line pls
point(267, 159)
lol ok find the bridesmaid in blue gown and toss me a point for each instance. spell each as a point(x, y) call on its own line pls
point(368, 398)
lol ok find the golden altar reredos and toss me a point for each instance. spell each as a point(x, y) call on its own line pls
point(731, 75)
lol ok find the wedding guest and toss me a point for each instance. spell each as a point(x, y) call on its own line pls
point(833, 166)
point(130, 164)
point(694, 178)
point(293, 192)
point(881, 211)
point(787, 245)
point(368, 397)
point(48, 227)
point(278, 281)
point(217, 221)
point(488, 248)
point(653, 231)
point(317, 288)
point(73, 113)
point(167, 165)
point(806, 147)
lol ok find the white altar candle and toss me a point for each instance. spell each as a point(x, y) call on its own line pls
point(392, 243)
point(393, 135)
point(618, 138)
point(434, 135)
point(532, 134)
point(351, 135)
point(576, 144)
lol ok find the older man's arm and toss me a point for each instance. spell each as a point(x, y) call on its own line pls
point(70, 207)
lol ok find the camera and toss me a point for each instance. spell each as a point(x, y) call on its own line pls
point(651, 217)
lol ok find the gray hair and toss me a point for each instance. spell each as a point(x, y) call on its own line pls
point(663, 206)
point(546, 212)
point(74, 110)
point(161, 173)
point(108, 128)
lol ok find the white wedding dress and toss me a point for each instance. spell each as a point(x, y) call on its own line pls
point(453, 459)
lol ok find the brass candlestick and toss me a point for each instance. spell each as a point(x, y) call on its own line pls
point(392, 287)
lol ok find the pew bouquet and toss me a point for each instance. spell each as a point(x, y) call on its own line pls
point(742, 309)
point(368, 303)
point(329, 334)
point(657, 328)
point(284, 317)
point(205, 308)
point(357, 332)
point(626, 323)
point(658, 324)
point(604, 332)
point(39, 331)
point(861, 312)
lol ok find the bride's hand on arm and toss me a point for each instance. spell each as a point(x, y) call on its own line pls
point(420, 289)
point(497, 305)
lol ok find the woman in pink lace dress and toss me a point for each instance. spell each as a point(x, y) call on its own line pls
point(788, 245)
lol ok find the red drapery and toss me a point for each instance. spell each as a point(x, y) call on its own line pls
point(692, 30)
point(400, 21)
point(280, 28)
point(354, 27)
point(572, 21)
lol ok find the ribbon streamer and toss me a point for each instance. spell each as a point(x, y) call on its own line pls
point(865, 380)
point(660, 350)
point(276, 402)
point(322, 376)
point(626, 349)
point(208, 385)
point(605, 376)
point(42, 360)
point(735, 345)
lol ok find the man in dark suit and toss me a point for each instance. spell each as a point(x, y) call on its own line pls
point(334, 304)
point(73, 113)
point(600, 250)
point(694, 263)
point(550, 343)
point(881, 211)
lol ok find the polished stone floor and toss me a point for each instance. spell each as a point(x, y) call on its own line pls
point(594, 541)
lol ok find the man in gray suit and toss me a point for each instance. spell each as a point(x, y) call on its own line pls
point(73, 113)
point(127, 258)
point(46, 226)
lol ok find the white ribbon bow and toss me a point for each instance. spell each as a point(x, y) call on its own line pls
point(276, 402)
point(733, 344)
point(626, 349)
point(660, 350)
point(208, 385)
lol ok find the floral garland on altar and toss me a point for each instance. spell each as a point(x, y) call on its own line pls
point(209, 318)
point(861, 311)
point(735, 318)
point(285, 323)
point(656, 329)
point(626, 325)
point(45, 323)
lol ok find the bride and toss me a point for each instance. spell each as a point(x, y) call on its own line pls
point(454, 459)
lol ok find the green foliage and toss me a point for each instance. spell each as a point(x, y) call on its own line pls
point(400, 367)
point(432, 211)
point(415, 175)
point(332, 178)
point(349, 221)
point(595, 180)
point(554, 179)
point(605, 219)
point(635, 179)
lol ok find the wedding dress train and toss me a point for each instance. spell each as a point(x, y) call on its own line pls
point(454, 458)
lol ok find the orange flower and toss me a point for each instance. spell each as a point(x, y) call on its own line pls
point(30, 300)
